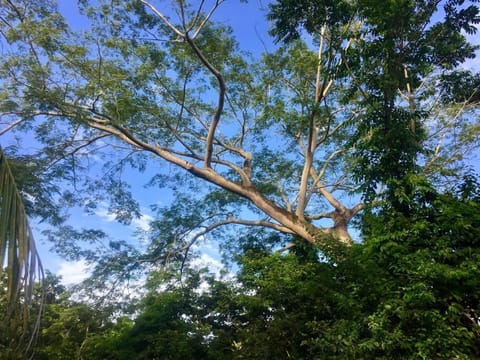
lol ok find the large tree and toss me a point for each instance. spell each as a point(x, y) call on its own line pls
point(280, 143)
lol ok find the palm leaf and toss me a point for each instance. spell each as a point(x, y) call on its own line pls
point(19, 260)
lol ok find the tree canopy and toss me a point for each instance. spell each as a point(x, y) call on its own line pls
point(176, 87)
point(283, 140)
point(358, 125)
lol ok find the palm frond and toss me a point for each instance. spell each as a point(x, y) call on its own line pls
point(19, 260)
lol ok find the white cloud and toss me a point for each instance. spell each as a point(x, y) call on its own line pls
point(73, 272)
point(205, 260)
point(473, 64)
point(208, 245)
point(143, 222)
point(208, 255)
point(214, 266)
point(104, 214)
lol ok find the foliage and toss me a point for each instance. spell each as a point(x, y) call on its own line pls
point(409, 291)
point(19, 265)
point(395, 48)
point(67, 328)
point(431, 255)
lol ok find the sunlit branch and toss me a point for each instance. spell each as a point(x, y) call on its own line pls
point(239, 151)
point(186, 249)
point(318, 91)
point(321, 215)
point(11, 125)
point(40, 113)
point(221, 99)
point(197, 15)
point(180, 139)
point(302, 192)
point(357, 83)
point(359, 207)
point(328, 161)
point(180, 116)
point(330, 132)
point(288, 221)
point(241, 122)
point(236, 221)
point(163, 17)
point(119, 163)
point(207, 17)
point(325, 193)
point(184, 95)
point(296, 89)
point(283, 195)
point(443, 132)
point(286, 247)
point(181, 103)
point(244, 176)
point(312, 136)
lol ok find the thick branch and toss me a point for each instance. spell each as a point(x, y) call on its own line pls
point(302, 193)
point(321, 215)
point(325, 193)
point(290, 223)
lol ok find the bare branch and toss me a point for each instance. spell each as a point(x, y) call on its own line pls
point(325, 193)
point(302, 192)
point(207, 17)
point(197, 15)
point(318, 92)
point(286, 247)
point(80, 147)
point(11, 126)
point(328, 161)
point(357, 208)
point(241, 122)
point(164, 18)
point(312, 136)
point(221, 99)
point(239, 151)
point(228, 221)
point(321, 215)
point(287, 202)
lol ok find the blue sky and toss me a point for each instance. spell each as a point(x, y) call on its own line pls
point(247, 20)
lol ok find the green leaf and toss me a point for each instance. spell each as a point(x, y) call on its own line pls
point(19, 254)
